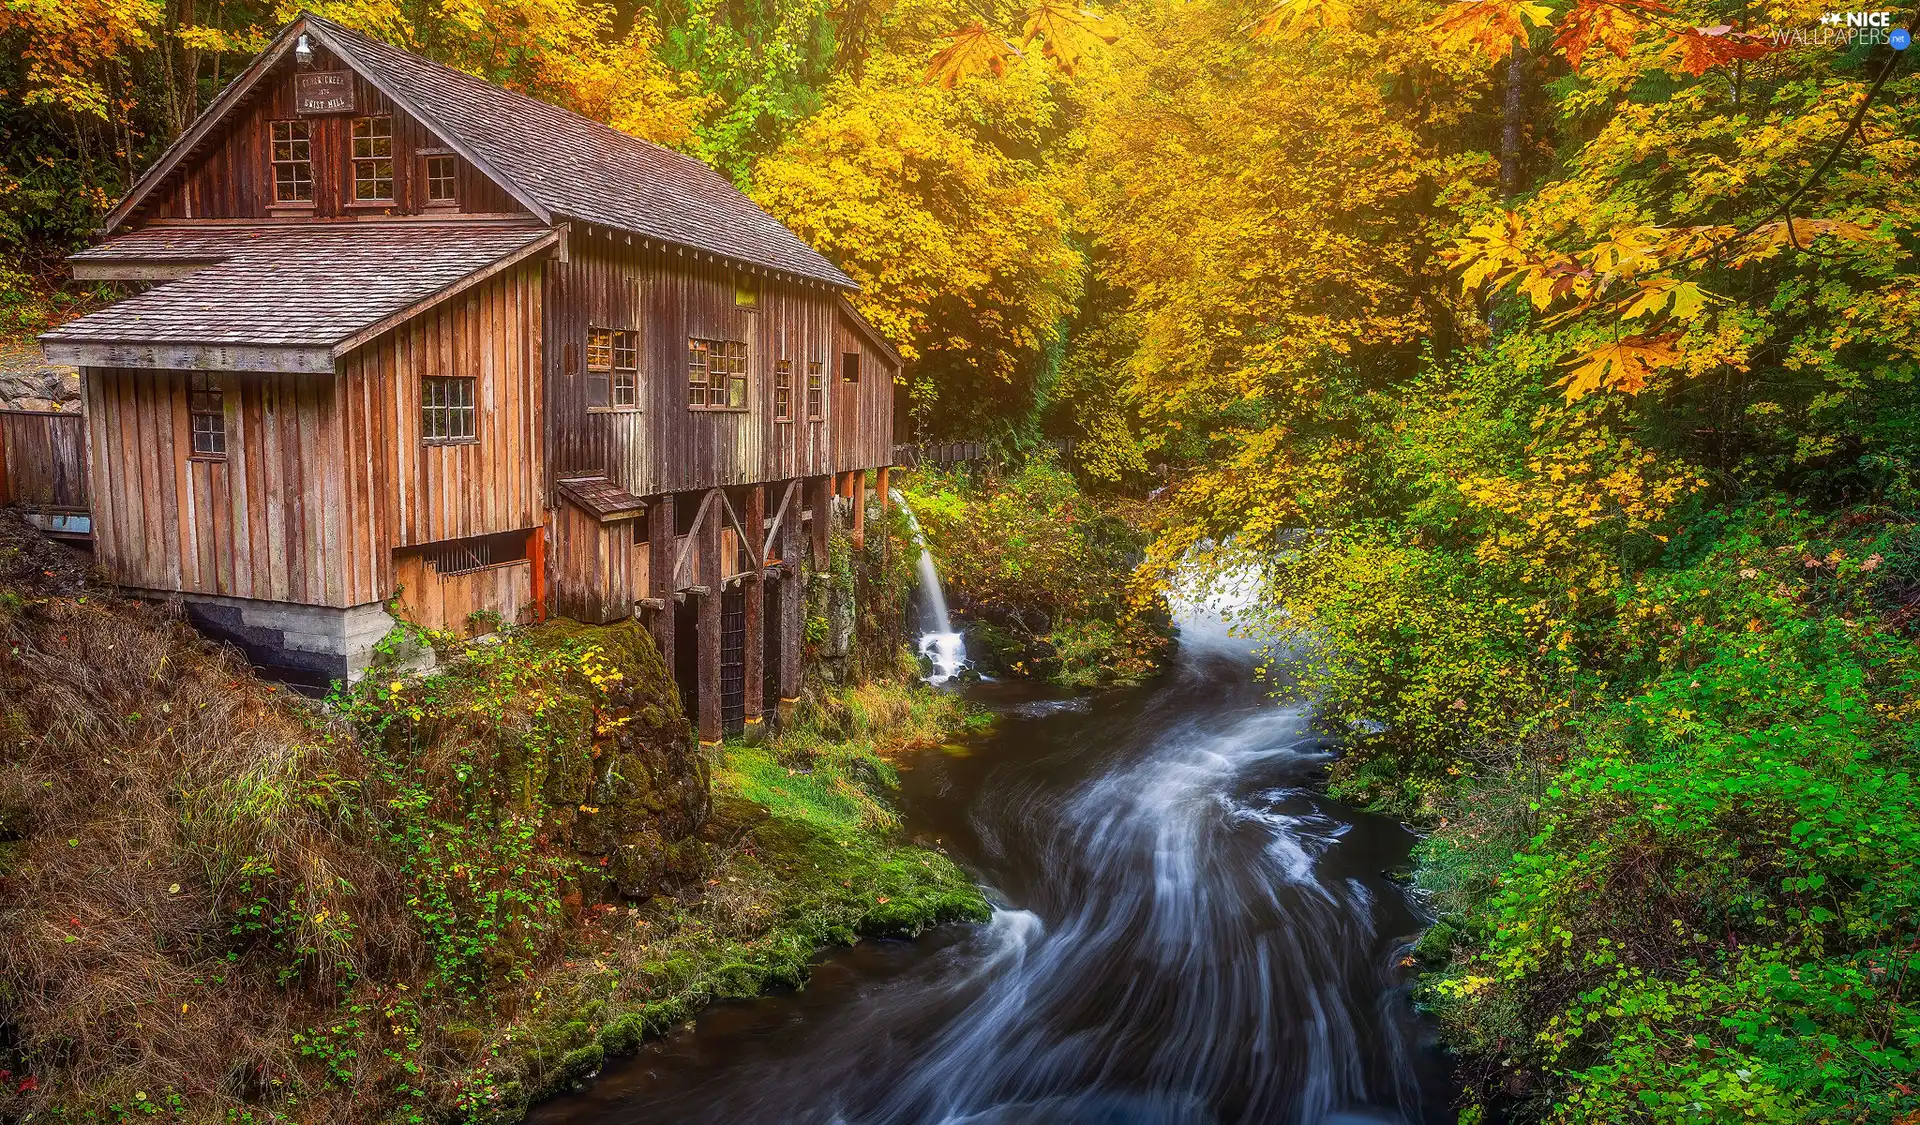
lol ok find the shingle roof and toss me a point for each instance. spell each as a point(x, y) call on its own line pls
point(579, 168)
point(601, 496)
point(309, 287)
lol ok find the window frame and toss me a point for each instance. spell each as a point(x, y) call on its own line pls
point(374, 158)
point(605, 351)
point(849, 367)
point(449, 410)
point(206, 417)
point(275, 163)
point(816, 390)
point(746, 293)
point(451, 179)
point(783, 391)
point(701, 390)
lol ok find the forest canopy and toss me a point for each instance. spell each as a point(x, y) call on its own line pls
point(1556, 360)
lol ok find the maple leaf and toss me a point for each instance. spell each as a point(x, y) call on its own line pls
point(1292, 17)
point(1623, 365)
point(1490, 25)
point(1769, 239)
point(1700, 49)
point(975, 50)
point(1686, 299)
point(1612, 24)
point(1067, 33)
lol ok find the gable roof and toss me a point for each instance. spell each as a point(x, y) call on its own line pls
point(282, 298)
point(556, 163)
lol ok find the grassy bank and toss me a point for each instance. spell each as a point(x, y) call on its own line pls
point(436, 898)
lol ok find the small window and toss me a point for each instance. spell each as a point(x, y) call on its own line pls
point(746, 293)
point(292, 162)
point(373, 159)
point(816, 390)
point(783, 390)
point(446, 409)
point(850, 366)
point(206, 415)
point(613, 367)
point(716, 374)
point(440, 179)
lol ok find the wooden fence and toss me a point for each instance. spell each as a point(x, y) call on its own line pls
point(43, 459)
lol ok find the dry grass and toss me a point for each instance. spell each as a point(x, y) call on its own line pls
point(157, 793)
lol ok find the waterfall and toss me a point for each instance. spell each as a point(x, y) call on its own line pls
point(942, 647)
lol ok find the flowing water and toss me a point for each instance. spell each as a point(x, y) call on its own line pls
point(1189, 933)
point(945, 651)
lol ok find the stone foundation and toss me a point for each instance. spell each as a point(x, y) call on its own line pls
point(303, 644)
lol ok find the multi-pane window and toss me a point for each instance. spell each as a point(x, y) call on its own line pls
point(717, 374)
point(440, 171)
point(446, 409)
point(206, 415)
point(292, 162)
point(613, 367)
point(373, 159)
point(783, 390)
point(816, 390)
point(850, 366)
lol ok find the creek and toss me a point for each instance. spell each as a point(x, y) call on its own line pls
point(1189, 932)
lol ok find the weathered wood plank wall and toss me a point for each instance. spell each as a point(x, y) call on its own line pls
point(266, 521)
point(662, 445)
point(233, 178)
point(447, 601)
point(43, 459)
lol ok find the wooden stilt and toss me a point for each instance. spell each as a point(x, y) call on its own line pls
point(712, 573)
point(793, 617)
point(820, 499)
point(660, 550)
point(753, 521)
point(883, 486)
point(857, 489)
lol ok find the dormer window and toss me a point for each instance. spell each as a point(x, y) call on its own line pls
point(292, 162)
point(373, 159)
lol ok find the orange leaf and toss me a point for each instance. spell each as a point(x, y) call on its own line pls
point(1700, 49)
point(1612, 24)
point(975, 50)
point(1490, 25)
point(1620, 366)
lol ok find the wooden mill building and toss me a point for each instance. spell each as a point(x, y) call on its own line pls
point(402, 338)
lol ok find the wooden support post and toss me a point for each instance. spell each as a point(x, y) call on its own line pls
point(753, 521)
point(820, 499)
point(884, 488)
point(712, 573)
point(793, 618)
point(857, 488)
point(537, 556)
point(660, 574)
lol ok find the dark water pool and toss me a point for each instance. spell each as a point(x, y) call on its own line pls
point(1189, 933)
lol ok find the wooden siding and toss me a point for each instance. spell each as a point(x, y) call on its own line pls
point(401, 492)
point(324, 477)
point(267, 521)
point(597, 571)
point(436, 601)
point(43, 458)
point(232, 177)
point(664, 446)
point(862, 411)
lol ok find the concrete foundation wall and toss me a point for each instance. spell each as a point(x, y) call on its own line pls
point(308, 644)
